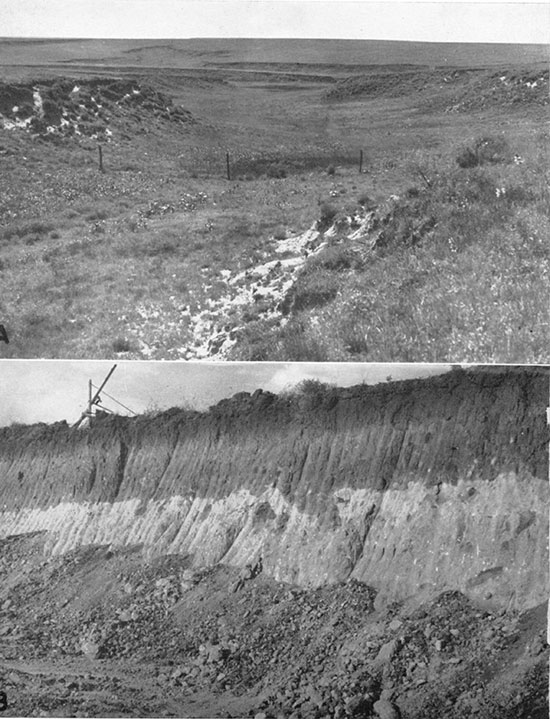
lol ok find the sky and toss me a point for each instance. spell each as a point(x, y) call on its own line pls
point(442, 21)
point(52, 390)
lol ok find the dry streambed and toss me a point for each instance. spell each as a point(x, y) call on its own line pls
point(263, 287)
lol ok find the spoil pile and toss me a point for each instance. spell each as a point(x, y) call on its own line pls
point(458, 90)
point(94, 108)
point(99, 631)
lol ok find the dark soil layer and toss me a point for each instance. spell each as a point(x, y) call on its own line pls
point(480, 422)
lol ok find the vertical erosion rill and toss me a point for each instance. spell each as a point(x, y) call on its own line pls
point(410, 487)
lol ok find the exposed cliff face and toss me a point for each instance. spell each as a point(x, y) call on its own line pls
point(411, 487)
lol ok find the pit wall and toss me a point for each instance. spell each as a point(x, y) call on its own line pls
point(412, 487)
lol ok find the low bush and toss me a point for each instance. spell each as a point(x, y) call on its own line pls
point(36, 229)
point(326, 215)
point(365, 201)
point(486, 150)
point(492, 150)
point(121, 344)
point(467, 158)
point(314, 288)
point(336, 257)
point(277, 171)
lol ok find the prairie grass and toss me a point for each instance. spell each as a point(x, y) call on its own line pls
point(470, 285)
point(88, 266)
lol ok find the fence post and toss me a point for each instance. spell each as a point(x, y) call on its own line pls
point(100, 152)
point(360, 161)
point(227, 165)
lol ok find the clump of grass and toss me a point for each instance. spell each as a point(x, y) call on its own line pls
point(326, 215)
point(35, 228)
point(314, 287)
point(98, 228)
point(467, 158)
point(100, 213)
point(315, 394)
point(122, 344)
point(277, 171)
point(132, 224)
point(164, 248)
point(491, 149)
point(365, 201)
point(486, 150)
point(336, 257)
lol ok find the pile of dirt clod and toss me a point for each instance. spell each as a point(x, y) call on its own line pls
point(90, 108)
point(101, 630)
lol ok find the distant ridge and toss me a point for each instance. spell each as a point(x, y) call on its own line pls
point(197, 52)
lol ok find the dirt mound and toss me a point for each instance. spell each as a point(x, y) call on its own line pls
point(98, 632)
point(455, 90)
point(93, 108)
point(501, 89)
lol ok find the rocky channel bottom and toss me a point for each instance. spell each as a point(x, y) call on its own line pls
point(100, 632)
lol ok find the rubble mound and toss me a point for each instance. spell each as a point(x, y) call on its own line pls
point(100, 632)
point(75, 108)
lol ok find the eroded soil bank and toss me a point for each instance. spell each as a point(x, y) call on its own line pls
point(403, 531)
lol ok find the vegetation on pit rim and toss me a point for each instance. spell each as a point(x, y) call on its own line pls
point(458, 272)
point(102, 269)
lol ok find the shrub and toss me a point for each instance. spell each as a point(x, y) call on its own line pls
point(36, 229)
point(314, 288)
point(121, 344)
point(492, 149)
point(98, 214)
point(467, 158)
point(166, 247)
point(365, 201)
point(336, 257)
point(488, 149)
point(312, 387)
point(327, 215)
point(277, 171)
point(317, 393)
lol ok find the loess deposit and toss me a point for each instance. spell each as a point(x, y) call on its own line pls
point(403, 530)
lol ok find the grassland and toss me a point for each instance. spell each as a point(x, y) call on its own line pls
point(122, 262)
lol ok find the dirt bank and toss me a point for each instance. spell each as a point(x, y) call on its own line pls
point(417, 486)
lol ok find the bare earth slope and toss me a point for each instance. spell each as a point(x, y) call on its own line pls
point(361, 483)
point(403, 531)
point(402, 528)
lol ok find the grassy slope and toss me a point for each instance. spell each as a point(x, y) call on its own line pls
point(84, 273)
